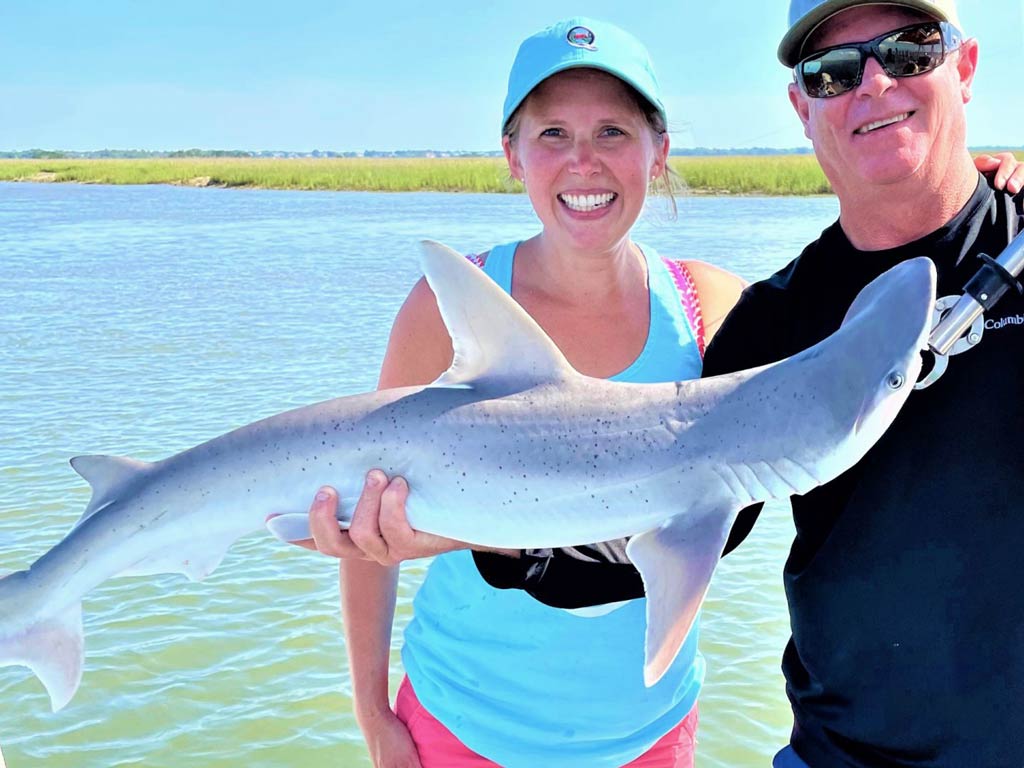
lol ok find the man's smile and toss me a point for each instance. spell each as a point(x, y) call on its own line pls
point(884, 122)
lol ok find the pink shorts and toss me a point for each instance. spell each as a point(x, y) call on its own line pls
point(438, 747)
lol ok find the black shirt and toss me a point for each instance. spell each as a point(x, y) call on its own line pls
point(903, 582)
point(903, 585)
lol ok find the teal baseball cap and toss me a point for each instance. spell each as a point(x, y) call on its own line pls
point(580, 43)
point(805, 16)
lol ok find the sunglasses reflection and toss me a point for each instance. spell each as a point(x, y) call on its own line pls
point(913, 52)
point(825, 84)
point(903, 52)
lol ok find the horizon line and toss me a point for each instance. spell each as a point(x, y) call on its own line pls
point(37, 153)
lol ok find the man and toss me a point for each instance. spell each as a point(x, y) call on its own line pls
point(908, 632)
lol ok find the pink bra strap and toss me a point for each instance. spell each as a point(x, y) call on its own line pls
point(687, 288)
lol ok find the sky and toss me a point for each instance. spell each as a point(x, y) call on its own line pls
point(396, 74)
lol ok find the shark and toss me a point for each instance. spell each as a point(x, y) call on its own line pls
point(510, 448)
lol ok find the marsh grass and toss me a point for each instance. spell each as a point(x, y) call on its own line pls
point(753, 175)
point(357, 174)
point(745, 175)
point(786, 175)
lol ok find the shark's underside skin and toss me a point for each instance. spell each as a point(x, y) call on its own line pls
point(510, 448)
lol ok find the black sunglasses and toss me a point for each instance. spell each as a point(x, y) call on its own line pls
point(904, 52)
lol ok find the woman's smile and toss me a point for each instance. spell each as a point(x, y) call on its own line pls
point(587, 202)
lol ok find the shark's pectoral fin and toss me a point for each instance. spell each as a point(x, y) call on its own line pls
point(53, 649)
point(676, 561)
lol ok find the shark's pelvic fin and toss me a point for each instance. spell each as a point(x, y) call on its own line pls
point(676, 561)
point(495, 340)
point(107, 475)
point(290, 526)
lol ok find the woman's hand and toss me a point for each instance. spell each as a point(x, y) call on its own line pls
point(379, 530)
point(389, 742)
point(1003, 170)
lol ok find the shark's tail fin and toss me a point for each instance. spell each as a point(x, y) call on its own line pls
point(52, 646)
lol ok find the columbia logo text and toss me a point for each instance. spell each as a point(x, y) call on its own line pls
point(1002, 322)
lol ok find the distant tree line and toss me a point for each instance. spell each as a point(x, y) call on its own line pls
point(714, 152)
point(59, 154)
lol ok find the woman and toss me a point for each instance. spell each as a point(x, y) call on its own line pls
point(494, 676)
point(495, 672)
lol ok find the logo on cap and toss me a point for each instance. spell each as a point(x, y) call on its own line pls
point(581, 37)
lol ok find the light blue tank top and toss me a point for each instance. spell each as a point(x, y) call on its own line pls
point(527, 685)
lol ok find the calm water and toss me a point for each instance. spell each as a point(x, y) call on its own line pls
point(140, 321)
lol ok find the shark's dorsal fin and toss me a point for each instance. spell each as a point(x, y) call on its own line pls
point(495, 340)
point(107, 475)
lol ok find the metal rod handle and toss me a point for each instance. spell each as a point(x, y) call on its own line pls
point(963, 314)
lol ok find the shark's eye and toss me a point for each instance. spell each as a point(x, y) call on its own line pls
point(895, 380)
